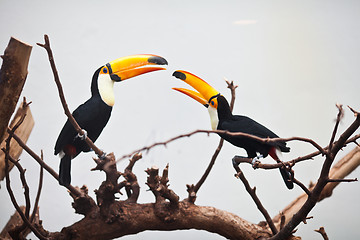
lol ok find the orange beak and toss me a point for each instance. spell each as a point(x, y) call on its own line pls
point(205, 92)
point(131, 66)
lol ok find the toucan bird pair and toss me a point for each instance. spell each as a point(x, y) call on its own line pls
point(94, 114)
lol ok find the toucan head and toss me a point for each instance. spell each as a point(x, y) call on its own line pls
point(204, 94)
point(121, 69)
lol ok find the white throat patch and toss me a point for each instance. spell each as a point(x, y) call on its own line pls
point(213, 117)
point(106, 89)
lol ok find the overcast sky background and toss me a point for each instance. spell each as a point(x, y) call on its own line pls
point(293, 61)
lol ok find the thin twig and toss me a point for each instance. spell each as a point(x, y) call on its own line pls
point(37, 199)
point(316, 153)
point(232, 88)
point(225, 132)
point(338, 119)
point(24, 185)
point(302, 186)
point(208, 169)
point(343, 180)
point(295, 160)
point(252, 192)
point(323, 233)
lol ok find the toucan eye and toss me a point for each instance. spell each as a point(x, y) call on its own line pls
point(105, 70)
point(212, 103)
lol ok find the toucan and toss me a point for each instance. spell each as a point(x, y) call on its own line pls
point(93, 115)
point(222, 118)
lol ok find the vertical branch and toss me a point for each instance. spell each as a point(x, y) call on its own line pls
point(37, 199)
point(338, 119)
point(252, 192)
point(232, 88)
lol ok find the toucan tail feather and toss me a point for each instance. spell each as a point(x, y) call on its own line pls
point(64, 171)
point(284, 173)
point(287, 178)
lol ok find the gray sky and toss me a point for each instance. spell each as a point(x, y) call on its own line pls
point(293, 61)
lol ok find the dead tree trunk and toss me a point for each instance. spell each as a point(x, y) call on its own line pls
point(23, 131)
point(12, 79)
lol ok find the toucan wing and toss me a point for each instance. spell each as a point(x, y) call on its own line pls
point(68, 132)
point(247, 125)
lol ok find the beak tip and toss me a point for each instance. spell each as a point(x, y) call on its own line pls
point(179, 75)
point(157, 60)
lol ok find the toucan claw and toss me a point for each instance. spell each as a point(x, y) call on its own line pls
point(103, 156)
point(84, 136)
point(256, 161)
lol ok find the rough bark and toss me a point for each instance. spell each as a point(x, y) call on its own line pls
point(12, 79)
point(136, 218)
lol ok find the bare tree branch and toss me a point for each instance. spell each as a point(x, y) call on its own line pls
point(323, 233)
point(314, 197)
point(158, 185)
point(338, 119)
point(340, 170)
point(302, 186)
point(37, 199)
point(252, 192)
